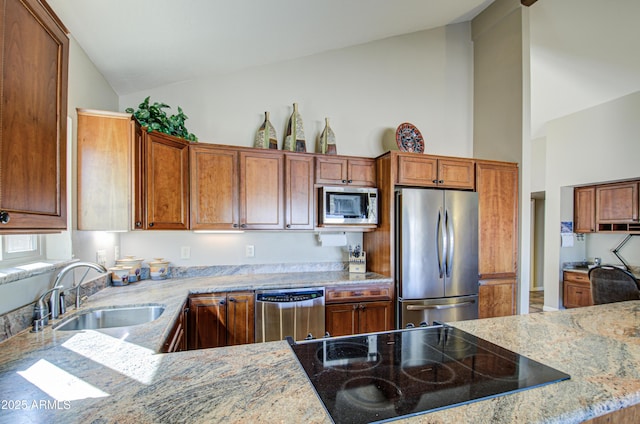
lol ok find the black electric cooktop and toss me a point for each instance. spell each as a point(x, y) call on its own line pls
point(384, 376)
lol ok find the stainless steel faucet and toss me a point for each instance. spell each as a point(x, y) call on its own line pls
point(41, 311)
point(65, 270)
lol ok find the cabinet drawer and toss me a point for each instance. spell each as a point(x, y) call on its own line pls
point(577, 277)
point(358, 293)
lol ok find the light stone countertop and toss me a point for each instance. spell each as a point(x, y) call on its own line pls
point(119, 377)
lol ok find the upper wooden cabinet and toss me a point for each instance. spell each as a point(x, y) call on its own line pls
point(261, 190)
point(105, 189)
point(497, 187)
point(214, 187)
point(298, 187)
point(341, 170)
point(607, 208)
point(429, 171)
point(584, 209)
point(167, 182)
point(617, 206)
point(33, 116)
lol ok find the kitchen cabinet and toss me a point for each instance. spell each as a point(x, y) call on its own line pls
point(299, 196)
point(497, 187)
point(177, 339)
point(358, 309)
point(497, 297)
point(105, 190)
point(261, 190)
point(214, 187)
point(576, 289)
point(617, 207)
point(584, 209)
point(220, 319)
point(418, 170)
point(33, 138)
point(341, 170)
point(167, 182)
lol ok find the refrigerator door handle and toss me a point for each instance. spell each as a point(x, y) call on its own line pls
point(426, 307)
point(449, 250)
point(440, 244)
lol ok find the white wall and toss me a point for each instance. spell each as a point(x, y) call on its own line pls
point(594, 145)
point(424, 78)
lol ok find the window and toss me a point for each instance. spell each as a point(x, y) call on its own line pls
point(21, 248)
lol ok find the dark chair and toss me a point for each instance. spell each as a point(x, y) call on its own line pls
point(611, 284)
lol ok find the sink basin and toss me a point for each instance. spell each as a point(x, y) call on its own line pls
point(111, 318)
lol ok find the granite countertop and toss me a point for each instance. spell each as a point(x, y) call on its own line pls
point(584, 269)
point(118, 376)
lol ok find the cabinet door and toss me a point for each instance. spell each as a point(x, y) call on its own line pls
point(456, 173)
point(298, 184)
point(261, 190)
point(497, 187)
point(417, 171)
point(341, 319)
point(240, 318)
point(576, 289)
point(331, 170)
point(361, 172)
point(207, 325)
point(33, 134)
point(214, 188)
point(375, 316)
point(167, 175)
point(497, 298)
point(104, 192)
point(584, 209)
point(617, 203)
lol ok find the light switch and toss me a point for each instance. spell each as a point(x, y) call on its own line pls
point(250, 251)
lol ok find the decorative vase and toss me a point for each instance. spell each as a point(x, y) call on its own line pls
point(266, 135)
point(294, 140)
point(327, 140)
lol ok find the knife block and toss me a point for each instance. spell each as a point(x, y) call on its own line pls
point(358, 264)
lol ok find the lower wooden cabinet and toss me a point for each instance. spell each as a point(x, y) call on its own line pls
point(355, 318)
point(497, 298)
point(358, 309)
point(576, 290)
point(220, 319)
point(177, 340)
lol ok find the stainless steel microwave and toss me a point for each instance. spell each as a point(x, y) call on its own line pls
point(348, 206)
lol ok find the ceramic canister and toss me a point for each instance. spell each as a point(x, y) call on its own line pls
point(120, 275)
point(135, 264)
point(158, 269)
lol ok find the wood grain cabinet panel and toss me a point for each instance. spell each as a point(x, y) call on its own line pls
point(340, 170)
point(576, 289)
point(214, 188)
point(616, 204)
point(299, 196)
point(358, 309)
point(497, 298)
point(430, 171)
point(33, 137)
point(261, 190)
point(584, 209)
point(167, 182)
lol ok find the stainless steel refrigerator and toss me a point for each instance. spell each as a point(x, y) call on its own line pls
point(436, 256)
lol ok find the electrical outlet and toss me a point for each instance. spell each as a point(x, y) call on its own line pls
point(250, 251)
point(185, 252)
point(101, 257)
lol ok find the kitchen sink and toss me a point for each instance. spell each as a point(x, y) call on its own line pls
point(125, 316)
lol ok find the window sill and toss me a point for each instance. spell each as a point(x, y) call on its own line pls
point(20, 272)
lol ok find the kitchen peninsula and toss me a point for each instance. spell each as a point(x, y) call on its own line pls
point(120, 377)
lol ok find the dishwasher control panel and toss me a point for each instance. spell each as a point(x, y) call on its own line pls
point(289, 296)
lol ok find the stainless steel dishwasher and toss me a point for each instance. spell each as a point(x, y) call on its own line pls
point(298, 313)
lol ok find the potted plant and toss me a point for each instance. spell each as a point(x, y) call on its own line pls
point(154, 118)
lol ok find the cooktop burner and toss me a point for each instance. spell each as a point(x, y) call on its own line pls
point(383, 376)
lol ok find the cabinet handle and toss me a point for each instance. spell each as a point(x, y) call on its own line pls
point(288, 225)
point(222, 302)
point(151, 224)
point(138, 224)
point(344, 181)
point(350, 181)
point(434, 181)
point(440, 181)
point(232, 299)
point(4, 217)
point(362, 307)
point(235, 225)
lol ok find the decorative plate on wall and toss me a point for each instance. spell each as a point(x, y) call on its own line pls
point(409, 139)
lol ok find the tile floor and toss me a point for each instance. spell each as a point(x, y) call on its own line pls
point(536, 301)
